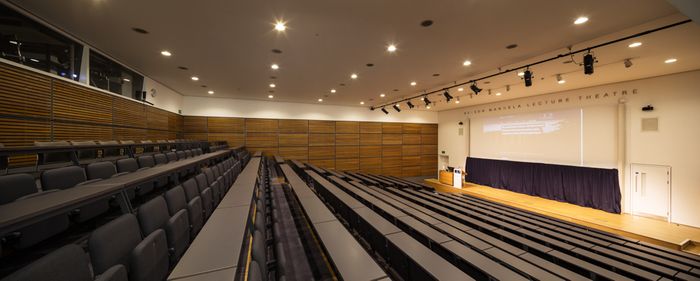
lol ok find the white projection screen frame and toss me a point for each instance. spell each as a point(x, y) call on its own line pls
point(553, 137)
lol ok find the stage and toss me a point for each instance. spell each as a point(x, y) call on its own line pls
point(650, 230)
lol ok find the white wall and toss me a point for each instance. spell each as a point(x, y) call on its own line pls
point(676, 100)
point(165, 98)
point(224, 107)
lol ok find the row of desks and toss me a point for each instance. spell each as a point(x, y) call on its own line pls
point(216, 251)
point(350, 259)
point(19, 214)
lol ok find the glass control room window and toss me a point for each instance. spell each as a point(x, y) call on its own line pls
point(111, 76)
point(27, 42)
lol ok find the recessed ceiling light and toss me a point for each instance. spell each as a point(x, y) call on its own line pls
point(126, 80)
point(581, 20)
point(195, 78)
point(560, 79)
point(382, 95)
point(270, 96)
point(521, 73)
point(333, 91)
point(166, 53)
point(428, 107)
point(671, 60)
point(413, 83)
point(353, 76)
point(362, 102)
point(460, 89)
point(635, 44)
point(275, 66)
point(210, 92)
point(498, 94)
point(280, 26)
point(391, 48)
point(320, 100)
point(467, 63)
point(272, 85)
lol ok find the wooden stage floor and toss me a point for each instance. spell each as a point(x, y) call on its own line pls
point(655, 231)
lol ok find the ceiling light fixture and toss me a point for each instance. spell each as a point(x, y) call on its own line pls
point(467, 63)
point(498, 94)
point(280, 26)
point(396, 107)
point(126, 80)
point(362, 102)
point(521, 73)
point(581, 20)
point(426, 100)
point(391, 48)
point(385, 111)
point(382, 95)
point(410, 105)
point(427, 106)
point(275, 66)
point(447, 95)
point(320, 100)
point(560, 80)
point(166, 53)
point(273, 85)
point(671, 60)
point(634, 44)
point(210, 92)
point(527, 76)
point(353, 76)
point(588, 61)
point(333, 91)
point(195, 78)
point(460, 89)
point(413, 83)
point(270, 96)
point(475, 88)
point(457, 101)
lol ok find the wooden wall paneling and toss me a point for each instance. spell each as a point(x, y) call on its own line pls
point(15, 132)
point(411, 171)
point(154, 135)
point(409, 128)
point(24, 93)
point(321, 139)
point(128, 113)
point(129, 134)
point(321, 152)
point(233, 139)
point(347, 152)
point(198, 136)
point(428, 139)
point(428, 149)
point(194, 124)
point(392, 128)
point(371, 165)
point(347, 127)
point(429, 129)
point(321, 127)
point(81, 132)
point(265, 150)
point(392, 139)
point(411, 138)
point(323, 163)
point(293, 140)
point(370, 151)
point(349, 164)
point(370, 139)
point(410, 150)
point(261, 140)
point(293, 126)
point(429, 165)
point(74, 102)
point(174, 122)
point(347, 139)
point(156, 118)
point(370, 127)
point(225, 125)
point(300, 153)
point(261, 125)
point(391, 151)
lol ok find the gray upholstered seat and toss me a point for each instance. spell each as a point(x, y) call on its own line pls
point(146, 161)
point(160, 158)
point(101, 170)
point(191, 189)
point(22, 187)
point(119, 242)
point(85, 155)
point(181, 155)
point(153, 215)
point(68, 177)
point(68, 263)
point(130, 165)
point(50, 160)
point(177, 200)
point(189, 153)
point(171, 156)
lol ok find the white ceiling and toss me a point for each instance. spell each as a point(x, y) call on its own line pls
point(228, 44)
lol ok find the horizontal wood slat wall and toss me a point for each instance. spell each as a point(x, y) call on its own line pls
point(37, 107)
point(403, 150)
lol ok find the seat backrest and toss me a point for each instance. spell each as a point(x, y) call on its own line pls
point(146, 161)
point(181, 154)
point(100, 170)
point(15, 186)
point(153, 215)
point(160, 159)
point(149, 259)
point(255, 273)
point(201, 180)
point(112, 243)
point(85, 154)
point(110, 152)
point(176, 199)
point(127, 165)
point(210, 175)
point(68, 263)
point(53, 157)
point(62, 178)
point(191, 189)
point(127, 142)
point(189, 153)
point(171, 156)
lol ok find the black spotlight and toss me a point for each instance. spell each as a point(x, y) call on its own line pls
point(426, 100)
point(528, 78)
point(396, 107)
point(371, 108)
point(410, 105)
point(475, 88)
point(385, 111)
point(447, 95)
point(588, 61)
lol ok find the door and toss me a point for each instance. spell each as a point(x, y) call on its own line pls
point(651, 190)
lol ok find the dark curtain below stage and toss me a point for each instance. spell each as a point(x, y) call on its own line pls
point(589, 187)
